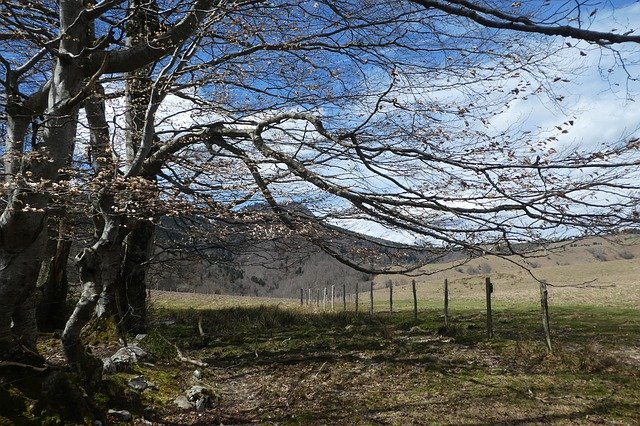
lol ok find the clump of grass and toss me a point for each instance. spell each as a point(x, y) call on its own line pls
point(100, 332)
point(158, 346)
point(587, 359)
point(626, 255)
point(451, 330)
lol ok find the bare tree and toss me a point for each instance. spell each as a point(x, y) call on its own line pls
point(78, 63)
point(365, 112)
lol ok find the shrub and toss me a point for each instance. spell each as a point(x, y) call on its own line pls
point(626, 255)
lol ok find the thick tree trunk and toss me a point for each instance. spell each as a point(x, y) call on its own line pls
point(52, 285)
point(99, 265)
point(131, 294)
point(132, 289)
point(19, 271)
point(23, 233)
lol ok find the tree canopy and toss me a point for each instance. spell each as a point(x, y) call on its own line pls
point(362, 112)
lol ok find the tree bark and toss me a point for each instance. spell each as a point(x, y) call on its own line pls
point(53, 285)
point(98, 265)
point(131, 294)
point(132, 288)
point(23, 232)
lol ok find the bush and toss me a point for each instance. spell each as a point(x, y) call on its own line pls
point(626, 255)
point(599, 255)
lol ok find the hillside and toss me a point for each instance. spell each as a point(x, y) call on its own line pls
point(279, 267)
point(595, 271)
point(268, 268)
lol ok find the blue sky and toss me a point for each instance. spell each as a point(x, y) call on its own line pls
point(601, 103)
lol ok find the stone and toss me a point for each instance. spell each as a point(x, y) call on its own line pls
point(199, 396)
point(203, 403)
point(196, 391)
point(197, 375)
point(140, 337)
point(123, 415)
point(183, 402)
point(126, 356)
point(140, 383)
point(108, 366)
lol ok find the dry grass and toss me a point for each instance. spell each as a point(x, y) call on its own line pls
point(168, 299)
point(272, 362)
point(574, 275)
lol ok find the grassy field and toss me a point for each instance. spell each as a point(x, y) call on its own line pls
point(272, 362)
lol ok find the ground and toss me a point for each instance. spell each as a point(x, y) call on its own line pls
point(272, 361)
point(279, 364)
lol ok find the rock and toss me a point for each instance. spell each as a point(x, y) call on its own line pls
point(416, 330)
point(140, 383)
point(183, 402)
point(123, 415)
point(196, 391)
point(140, 337)
point(203, 403)
point(197, 375)
point(199, 396)
point(108, 366)
point(124, 357)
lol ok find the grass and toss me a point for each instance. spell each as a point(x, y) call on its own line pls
point(279, 364)
point(271, 361)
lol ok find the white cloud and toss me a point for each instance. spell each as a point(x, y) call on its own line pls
point(599, 96)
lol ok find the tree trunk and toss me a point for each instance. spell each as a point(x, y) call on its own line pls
point(131, 293)
point(23, 231)
point(53, 285)
point(18, 275)
point(98, 265)
point(132, 290)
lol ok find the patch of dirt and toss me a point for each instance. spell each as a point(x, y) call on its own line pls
point(415, 379)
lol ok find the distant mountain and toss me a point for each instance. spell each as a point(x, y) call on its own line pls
point(278, 268)
point(253, 258)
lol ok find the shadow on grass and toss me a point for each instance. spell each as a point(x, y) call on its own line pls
point(459, 362)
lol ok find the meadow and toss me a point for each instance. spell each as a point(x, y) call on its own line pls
point(272, 361)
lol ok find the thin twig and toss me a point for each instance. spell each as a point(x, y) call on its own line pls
point(183, 358)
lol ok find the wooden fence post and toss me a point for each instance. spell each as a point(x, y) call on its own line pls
point(390, 296)
point(371, 297)
point(301, 297)
point(356, 297)
point(344, 297)
point(544, 302)
point(446, 302)
point(324, 299)
point(415, 300)
point(318, 297)
point(489, 291)
point(309, 296)
point(333, 297)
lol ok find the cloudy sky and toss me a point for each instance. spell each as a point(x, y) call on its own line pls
point(600, 94)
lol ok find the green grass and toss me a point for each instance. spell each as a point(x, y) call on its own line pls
point(294, 366)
